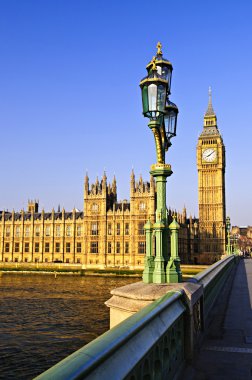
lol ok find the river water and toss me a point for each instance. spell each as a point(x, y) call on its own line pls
point(43, 319)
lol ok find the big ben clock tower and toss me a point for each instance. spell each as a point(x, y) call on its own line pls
point(211, 189)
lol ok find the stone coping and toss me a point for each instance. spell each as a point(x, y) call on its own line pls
point(135, 296)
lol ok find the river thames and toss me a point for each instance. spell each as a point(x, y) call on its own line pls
point(43, 319)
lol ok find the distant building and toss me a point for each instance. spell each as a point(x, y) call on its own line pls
point(243, 237)
point(107, 234)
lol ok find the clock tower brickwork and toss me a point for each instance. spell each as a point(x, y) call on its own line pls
point(211, 189)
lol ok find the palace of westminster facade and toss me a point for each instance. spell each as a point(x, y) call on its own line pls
point(109, 233)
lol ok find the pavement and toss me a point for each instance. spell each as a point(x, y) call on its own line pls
point(226, 351)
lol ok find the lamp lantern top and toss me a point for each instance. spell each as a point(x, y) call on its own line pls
point(164, 66)
point(156, 85)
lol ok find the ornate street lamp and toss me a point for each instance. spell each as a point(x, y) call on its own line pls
point(156, 88)
point(228, 227)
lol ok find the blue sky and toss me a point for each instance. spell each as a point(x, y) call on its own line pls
point(70, 98)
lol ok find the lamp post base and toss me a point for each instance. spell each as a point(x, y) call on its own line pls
point(173, 272)
point(148, 270)
point(159, 271)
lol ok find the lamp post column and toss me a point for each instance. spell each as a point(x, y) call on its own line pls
point(229, 248)
point(228, 225)
point(160, 172)
point(149, 258)
point(173, 271)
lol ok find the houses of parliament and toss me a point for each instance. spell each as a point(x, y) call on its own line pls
point(108, 233)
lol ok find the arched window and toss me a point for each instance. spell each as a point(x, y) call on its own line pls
point(142, 206)
point(95, 207)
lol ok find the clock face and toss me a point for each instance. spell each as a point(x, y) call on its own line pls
point(209, 155)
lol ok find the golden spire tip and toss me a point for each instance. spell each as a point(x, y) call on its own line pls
point(159, 46)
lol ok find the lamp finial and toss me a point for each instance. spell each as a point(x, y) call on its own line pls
point(159, 46)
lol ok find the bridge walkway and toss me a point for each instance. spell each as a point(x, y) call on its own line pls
point(226, 351)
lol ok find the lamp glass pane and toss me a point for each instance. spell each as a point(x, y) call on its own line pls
point(169, 80)
point(170, 124)
point(145, 99)
point(165, 72)
point(161, 97)
point(152, 94)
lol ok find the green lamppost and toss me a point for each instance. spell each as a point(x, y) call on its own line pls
point(156, 88)
point(228, 226)
point(236, 247)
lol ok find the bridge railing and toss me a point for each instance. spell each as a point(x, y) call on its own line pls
point(212, 279)
point(147, 345)
point(152, 343)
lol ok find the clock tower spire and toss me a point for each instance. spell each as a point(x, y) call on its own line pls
point(211, 164)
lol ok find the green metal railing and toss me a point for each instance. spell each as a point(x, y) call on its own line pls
point(212, 279)
point(151, 343)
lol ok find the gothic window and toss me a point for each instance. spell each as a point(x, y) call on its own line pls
point(17, 231)
point(37, 231)
point(57, 230)
point(126, 228)
point(7, 231)
point(141, 228)
point(126, 247)
point(16, 247)
point(95, 207)
point(27, 231)
point(7, 247)
point(78, 247)
point(68, 247)
point(109, 247)
point(142, 206)
point(109, 229)
point(94, 247)
point(26, 248)
point(47, 231)
point(68, 230)
point(36, 247)
point(78, 230)
point(94, 228)
point(118, 227)
point(47, 247)
point(118, 247)
point(57, 247)
point(141, 247)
